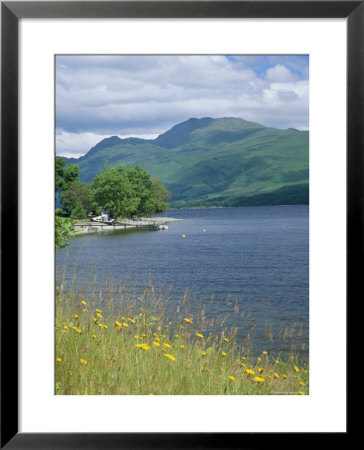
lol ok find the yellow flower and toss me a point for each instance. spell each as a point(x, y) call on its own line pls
point(284, 376)
point(77, 316)
point(199, 335)
point(133, 321)
point(85, 310)
point(250, 372)
point(301, 393)
point(83, 302)
point(58, 359)
point(78, 331)
point(159, 329)
point(203, 353)
point(259, 359)
point(106, 327)
point(176, 336)
point(125, 324)
point(182, 346)
point(277, 361)
point(243, 357)
point(296, 369)
point(118, 324)
point(99, 315)
point(223, 353)
point(231, 378)
point(157, 339)
point(226, 339)
point(301, 383)
point(156, 344)
point(101, 326)
point(94, 319)
point(187, 320)
point(304, 371)
point(143, 346)
point(98, 311)
point(243, 365)
point(83, 361)
point(259, 379)
point(268, 376)
point(276, 375)
point(93, 336)
point(265, 353)
point(166, 345)
point(65, 327)
point(261, 369)
point(182, 327)
point(171, 357)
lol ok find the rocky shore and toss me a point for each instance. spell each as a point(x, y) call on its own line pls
point(89, 226)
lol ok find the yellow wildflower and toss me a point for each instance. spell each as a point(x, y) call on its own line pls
point(296, 369)
point(187, 320)
point(301, 393)
point(203, 353)
point(277, 361)
point(65, 327)
point(83, 361)
point(259, 379)
point(83, 302)
point(284, 376)
point(199, 335)
point(94, 319)
point(58, 359)
point(243, 357)
point(99, 315)
point(85, 310)
point(118, 324)
point(77, 316)
point(231, 378)
point(265, 353)
point(276, 375)
point(171, 357)
point(182, 327)
point(250, 372)
point(176, 336)
point(93, 336)
point(98, 311)
point(125, 324)
point(133, 321)
point(182, 346)
point(301, 383)
point(261, 369)
point(166, 345)
point(156, 344)
point(226, 339)
point(223, 353)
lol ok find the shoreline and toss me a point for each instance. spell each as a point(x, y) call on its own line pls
point(82, 226)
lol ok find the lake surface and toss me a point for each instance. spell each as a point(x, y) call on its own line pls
point(256, 257)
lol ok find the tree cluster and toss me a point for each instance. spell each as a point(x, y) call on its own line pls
point(120, 191)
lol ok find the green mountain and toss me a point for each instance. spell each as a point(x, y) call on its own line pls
point(228, 162)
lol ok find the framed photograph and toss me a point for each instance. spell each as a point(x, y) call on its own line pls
point(181, 220)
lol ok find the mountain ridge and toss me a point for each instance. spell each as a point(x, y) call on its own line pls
point(212, 161)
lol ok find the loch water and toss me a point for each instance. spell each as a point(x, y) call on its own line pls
point(256, 258)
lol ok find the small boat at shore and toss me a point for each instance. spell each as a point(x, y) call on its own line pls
point(163, 227)
point(104, 218)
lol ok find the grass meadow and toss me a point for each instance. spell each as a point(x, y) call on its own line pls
point(117, 344)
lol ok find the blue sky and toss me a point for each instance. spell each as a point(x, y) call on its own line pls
point(143, 96)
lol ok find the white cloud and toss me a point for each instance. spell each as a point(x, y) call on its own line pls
point(279, 73)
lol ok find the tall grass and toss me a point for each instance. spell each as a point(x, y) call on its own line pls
point(115, 343)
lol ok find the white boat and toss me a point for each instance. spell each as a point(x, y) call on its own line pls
point(104, 218)
point(162, 227)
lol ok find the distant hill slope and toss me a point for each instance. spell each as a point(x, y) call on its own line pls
point(206, 161)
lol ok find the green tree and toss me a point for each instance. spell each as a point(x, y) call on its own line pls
point(76, 193)
point(141, 184)
point(112, 191)
point(63, 229)
point(160, 194)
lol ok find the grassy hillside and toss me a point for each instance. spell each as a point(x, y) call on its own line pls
point(226, 161)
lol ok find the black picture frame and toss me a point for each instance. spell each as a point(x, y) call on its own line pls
point(11, 12)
